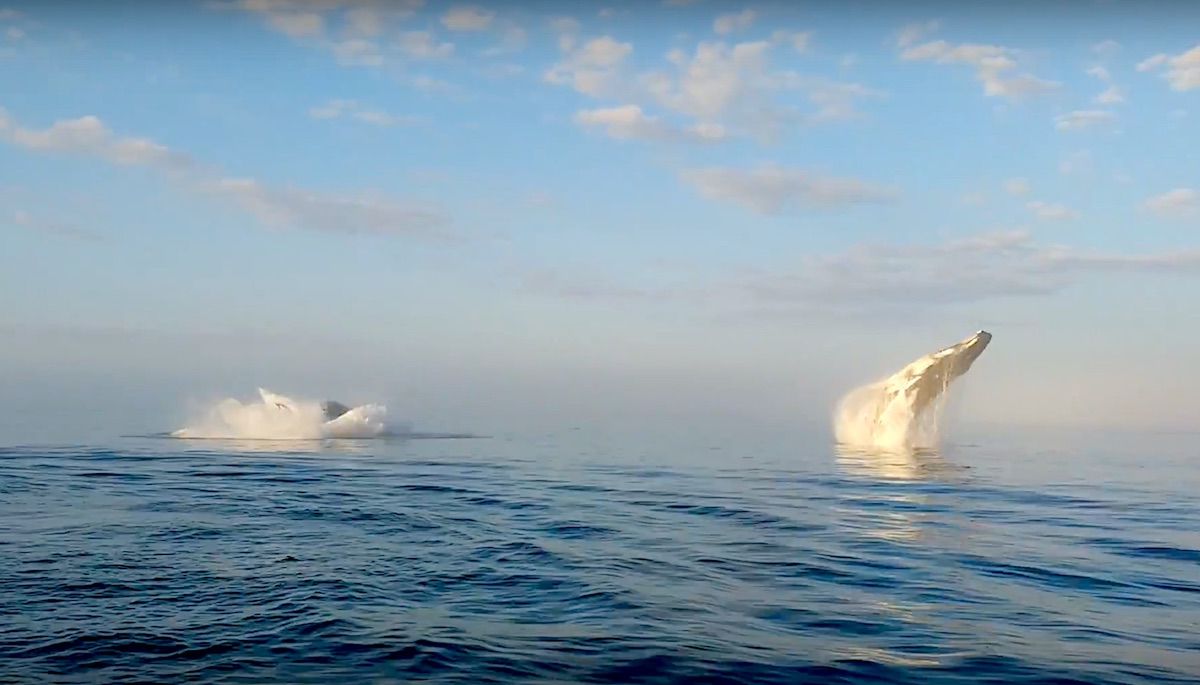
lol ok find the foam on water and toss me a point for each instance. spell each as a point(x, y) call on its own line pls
point(277, 417)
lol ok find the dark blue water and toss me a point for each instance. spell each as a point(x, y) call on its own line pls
point(575, 558)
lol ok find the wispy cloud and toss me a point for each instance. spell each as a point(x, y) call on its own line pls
point(423, 45)
point(24, 219)
point(987, 266)
point(996, 67)
point(799, 40)
point(629, 122)
point(1078, 162)
point(362, 33)
point(274, 206)
point(1051, 211)
point(352, 109)
point(734, 21)
point(592, 68)
point(282, 207)
point(1017, 187)
point(1110, 96)
point(1182, 71)
point(771, 189)
point(737, 86)
point(730, 86)
point(468, 18)
point(977, 268)
point(1180, 202)
point(88, 136)
point(1083, 119)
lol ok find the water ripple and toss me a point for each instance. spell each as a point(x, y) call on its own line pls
point(403, 563)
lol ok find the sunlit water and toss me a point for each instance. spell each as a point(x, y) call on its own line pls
point(577, 557)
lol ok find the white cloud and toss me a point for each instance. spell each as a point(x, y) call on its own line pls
point(731, 87)
point(365, 21)
point(1017, 186)
point(274, 206)
point(358, 52)
point(26, 220)
point(500, 71)
point(7, 13)
point(739, 21)
point(734, 85)
point(1180, 202)
point(423, 45)
point(298, 24)
point(1106, 47)
point(994, 65)
point(512, 39)
point(468, 18)
point(14, 34)
point(430, 84)
point(352, 109)
point(909, 35)
point(1075, 163)
point(1049, 211)
point(1111, 96)
point(975, 199)
point(772, 189)
point(356, 32)
point(1082, 119)
point(567, 30)
point(799, 40)
point(88, 136)
point(629, 122)
point(592, 68)
point(310, 19)
point(332, 213)
point(1183, 70)
point(717, 78)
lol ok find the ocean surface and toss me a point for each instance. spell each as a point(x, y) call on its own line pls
point(581, 557)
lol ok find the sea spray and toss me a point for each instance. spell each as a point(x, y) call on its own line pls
point(278, 417)
point(904, 411)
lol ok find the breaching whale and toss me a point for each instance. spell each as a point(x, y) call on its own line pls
point(901, 410)
point(277, 416)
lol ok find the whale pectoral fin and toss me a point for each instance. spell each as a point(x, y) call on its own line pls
point(333, 409)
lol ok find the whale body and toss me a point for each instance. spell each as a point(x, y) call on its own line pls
point(901, 411)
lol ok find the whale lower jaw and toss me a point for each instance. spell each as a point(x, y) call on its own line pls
point(900, 411)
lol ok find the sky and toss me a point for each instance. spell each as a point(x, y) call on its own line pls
point(547, 214)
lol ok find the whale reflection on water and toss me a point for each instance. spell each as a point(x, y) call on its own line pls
point(893, 464)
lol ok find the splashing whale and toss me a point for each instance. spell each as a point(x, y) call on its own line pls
point(276, 417)
point(902, 410)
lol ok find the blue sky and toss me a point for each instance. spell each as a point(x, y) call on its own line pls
point(495, 214)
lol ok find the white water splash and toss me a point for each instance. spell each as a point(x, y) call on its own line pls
point(904, 410)
point(276, 417)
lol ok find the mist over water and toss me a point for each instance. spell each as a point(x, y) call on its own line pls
point(278, 417)
point(871, 416)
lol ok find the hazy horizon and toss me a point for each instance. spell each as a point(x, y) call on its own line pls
point(522, 214)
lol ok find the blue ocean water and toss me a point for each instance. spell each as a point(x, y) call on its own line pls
point(574, 557)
